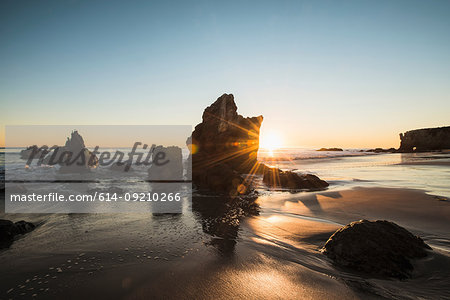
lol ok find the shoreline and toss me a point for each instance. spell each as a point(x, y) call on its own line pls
point(283, 241)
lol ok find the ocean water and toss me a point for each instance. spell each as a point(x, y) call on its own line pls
point(426, 171)
point(342, 169)
point(42, 179)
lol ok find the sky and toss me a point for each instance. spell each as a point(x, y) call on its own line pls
point(351, 74)
point(103, 136)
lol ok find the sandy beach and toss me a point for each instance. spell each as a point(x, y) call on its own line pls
point(207, 255)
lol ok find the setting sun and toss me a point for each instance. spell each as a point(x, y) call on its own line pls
point(270, 141)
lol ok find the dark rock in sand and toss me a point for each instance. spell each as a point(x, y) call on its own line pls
point(379, 248)
point(8, 230)
point(427, 139)
point(330, 149)
point(223, 147)
point(274, 177)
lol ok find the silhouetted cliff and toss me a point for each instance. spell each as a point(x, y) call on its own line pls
point(426, 139)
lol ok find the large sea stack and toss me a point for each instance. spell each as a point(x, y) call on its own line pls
point(224, 146)
point(427, 139)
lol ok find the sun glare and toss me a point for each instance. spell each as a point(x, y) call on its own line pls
point(270, 141)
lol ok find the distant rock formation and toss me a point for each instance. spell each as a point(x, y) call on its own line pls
point(427, 139)
point(379, 248)
point(274, 177)
point(381, 150)
point(223, 147)
point(330, 149)
point(73, 156)
point(33, 152)
point(172, 167)
point(9, 230)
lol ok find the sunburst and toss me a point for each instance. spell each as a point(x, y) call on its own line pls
point(270, 141)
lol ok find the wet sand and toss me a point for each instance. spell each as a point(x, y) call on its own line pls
point(427, 159)
point(412, 209)
point(208, 254)
point(427, 163)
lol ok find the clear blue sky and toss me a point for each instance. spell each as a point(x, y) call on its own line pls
point(323, 73)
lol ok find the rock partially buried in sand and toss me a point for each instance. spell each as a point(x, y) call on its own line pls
point(8, 230)
point(379, 248)
point(274, 177)
point(223, 147)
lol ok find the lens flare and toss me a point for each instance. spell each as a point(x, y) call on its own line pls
point(270, 142)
